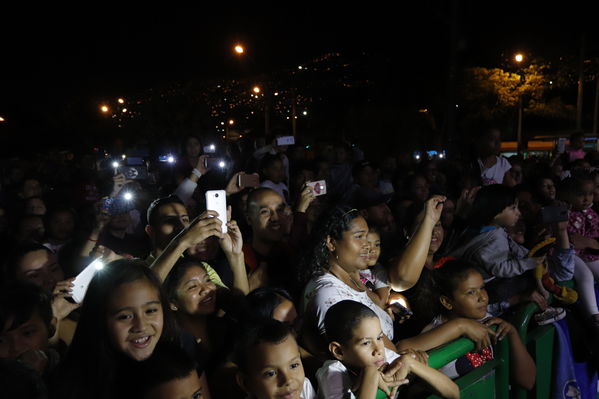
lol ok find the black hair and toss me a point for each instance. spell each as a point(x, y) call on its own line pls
point(176, 274)
point(537, 193)
point(19, 300)
point(18, 253)
point(92, 364)
point(168, 362)
point(447, 277)
point(489, 202)
point(334, 223)
point(268, 331)
point(573, 185)
point(343, 318)
point(263, 301)
point(152, 211)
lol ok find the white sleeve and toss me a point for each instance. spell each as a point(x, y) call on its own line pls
point(333, 381)
point(308, 391)
point(185, 190)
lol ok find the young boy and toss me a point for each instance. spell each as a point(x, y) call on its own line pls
point(363, 363)
point(169, 373)
point(269, 363)
point(26, 324)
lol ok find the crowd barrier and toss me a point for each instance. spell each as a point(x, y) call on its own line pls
point(492, 380)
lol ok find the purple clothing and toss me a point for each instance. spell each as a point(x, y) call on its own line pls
point(585, 223)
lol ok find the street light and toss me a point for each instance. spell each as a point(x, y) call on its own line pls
point(104, 108)
point(256, 89)
point(239, 49)
point(2, 119)
point(519, 57)
point(231, 122)
point(121, 101)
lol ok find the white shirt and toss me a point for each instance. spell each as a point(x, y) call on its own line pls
point(324, 291)
point(334, 381)
point(494, 174)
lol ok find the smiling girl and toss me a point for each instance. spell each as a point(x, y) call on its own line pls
point(124, 317)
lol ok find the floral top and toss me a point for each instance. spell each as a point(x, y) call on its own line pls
point(585, 223)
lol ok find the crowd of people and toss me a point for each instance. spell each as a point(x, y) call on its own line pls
point(334, 277)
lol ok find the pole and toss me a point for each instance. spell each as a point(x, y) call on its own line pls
point(519, 129)
point(580, 81)
point(293, 116)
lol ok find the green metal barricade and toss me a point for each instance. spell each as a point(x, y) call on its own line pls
point(491, 380)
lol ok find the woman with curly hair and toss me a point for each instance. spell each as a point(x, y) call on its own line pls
point(338, 252)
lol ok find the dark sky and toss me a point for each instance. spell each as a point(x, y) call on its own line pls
point(60, 54)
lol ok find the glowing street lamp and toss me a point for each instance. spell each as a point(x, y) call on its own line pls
point(2, 119)
point(121, 101)
point(256, 89)
point(231, 122)
point(519, 57)
point(104, 108)
point(239, 49)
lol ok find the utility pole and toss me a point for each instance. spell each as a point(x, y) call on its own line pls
point(580, 82)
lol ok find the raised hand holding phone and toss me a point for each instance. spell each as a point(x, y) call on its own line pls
point(216, 200)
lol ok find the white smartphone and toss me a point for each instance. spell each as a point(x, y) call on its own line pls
point(83, 279)
point(216, 200)
point(319, 187)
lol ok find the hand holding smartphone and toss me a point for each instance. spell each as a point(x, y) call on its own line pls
point(245, 180)
point(319, 187)
point(216, 200)
point(83, 279)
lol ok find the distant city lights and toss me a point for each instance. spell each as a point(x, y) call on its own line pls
point(121, 101)
point(124, 109)
point(256, 89)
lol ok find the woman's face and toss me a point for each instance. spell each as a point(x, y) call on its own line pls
point(351, 251)
point(195, 293)
point(135, 319)
point(436, 238)
point(41, 268)
point(374, 251)
point(193, 147)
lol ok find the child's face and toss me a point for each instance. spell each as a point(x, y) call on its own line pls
point(548, 188)
point(276, 371)
point(374, 240)
point(196, 293)
point(367, 346)
point(583, 199)
point(31, 335)
point(189, 387)
point(470, 298)
point(135, 319)
point(509, 216)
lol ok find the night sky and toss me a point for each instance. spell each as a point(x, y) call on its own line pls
point(53, 56)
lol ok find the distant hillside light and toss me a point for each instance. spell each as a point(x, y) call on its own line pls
point(121, 101)
point(239, 49)
point(519, 57)
point(2, 119)
point(256, 89)
point(104, 108)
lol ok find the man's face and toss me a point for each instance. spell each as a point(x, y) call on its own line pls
point(170, 220)
point(265, 214)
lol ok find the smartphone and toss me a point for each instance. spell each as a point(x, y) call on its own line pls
point(83, 279)
point(403, 311)
point(319, 187)
point(134, 172)
point(216, 200)
point(209, 149)
point(213, 163)
point(554, 214)
point(244, 180)
point(286, 140)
